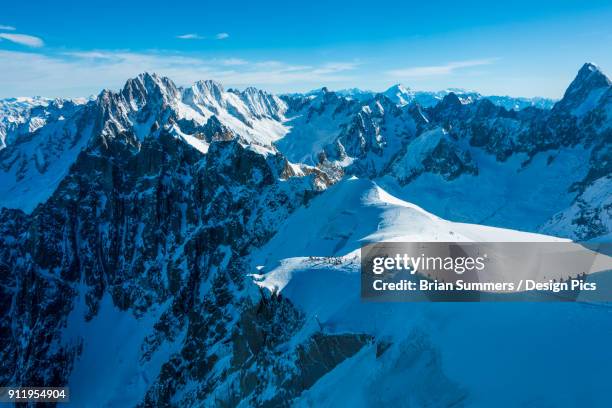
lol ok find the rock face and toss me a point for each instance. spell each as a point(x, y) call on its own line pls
point(424, 154)
point(153, 221)
point(34, 163)
point(368, 135)
point(374, 134)
point(131, 225)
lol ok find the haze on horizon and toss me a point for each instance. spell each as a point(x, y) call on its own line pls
point(67, 49)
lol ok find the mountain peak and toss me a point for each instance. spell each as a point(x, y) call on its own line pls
point(151, 80)
point(147, 84)
point(399, 94)
point(207, 92)
point(592, 75)
point(589, 78)
point(589, 66)
point(451, 99)
point(251, 90)
point(398, 88)
point(209, 86)
point(148, 76)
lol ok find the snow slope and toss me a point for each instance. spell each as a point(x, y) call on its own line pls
point(438, 353)
point(15, 112)
point(109, 371)
point(314, 124)
point(502, 193)
point(34, 165)
point(591, 210)
point(255, 115)
point(356, 212)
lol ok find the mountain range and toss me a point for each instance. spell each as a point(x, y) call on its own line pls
point(402, 95)
point(170, 246)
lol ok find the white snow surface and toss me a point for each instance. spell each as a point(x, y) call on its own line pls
point(596, 202)
point(505, 194)
point(39, 163)
point(255, 115)
point(317, 125)
point(15, 111)
point(314, 261)
point(355, 212)
point(111, 371)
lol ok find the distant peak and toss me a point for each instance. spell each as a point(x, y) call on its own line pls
point(451, 99)
point(206, 89)
point(459, 91)
point(317, 92)
point(148, 76)
point(150, 82)
point(590, 75)
point(398, 88)
point(579, 95)
point(148, 79)
point(589, 66)
point(252, 90)
point(399, 94)
point(209, 84)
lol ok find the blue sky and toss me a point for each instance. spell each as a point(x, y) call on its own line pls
point(520, 48)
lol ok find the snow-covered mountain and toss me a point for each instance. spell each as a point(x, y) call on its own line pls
point(365, 136)
point(135, 237)
point(348, 93)
point(532, 164)
point(197, 246)
point(402, 96)
point(14, 113)
point(426, 351)
point(314, 121)
point(21, 116)
point(34, 165)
